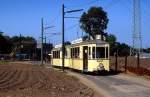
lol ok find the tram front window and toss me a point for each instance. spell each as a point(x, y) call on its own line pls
point(100, 52)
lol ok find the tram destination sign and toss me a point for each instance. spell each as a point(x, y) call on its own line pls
point(58, 46)
point(77, 41)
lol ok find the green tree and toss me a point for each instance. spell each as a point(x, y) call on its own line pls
point(111, 39)
point(5, 44)
point(121, 49)
point(94, 21)
point(17, 39)
point(25, 45)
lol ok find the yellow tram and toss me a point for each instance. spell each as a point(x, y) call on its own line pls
point(86, 56)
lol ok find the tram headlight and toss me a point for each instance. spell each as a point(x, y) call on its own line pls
point(101, 67)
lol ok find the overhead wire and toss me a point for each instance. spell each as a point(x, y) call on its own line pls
point(73, 26)
point(85, 4)
point(109, 5)
point(66, 29)
point(91, 2)
point(56, 17)
point(77, 30)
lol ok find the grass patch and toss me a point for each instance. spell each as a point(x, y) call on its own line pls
point(3, 62)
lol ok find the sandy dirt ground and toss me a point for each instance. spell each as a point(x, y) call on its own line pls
point(24, 80)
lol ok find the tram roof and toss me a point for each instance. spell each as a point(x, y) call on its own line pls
point(86, 42)
point(91, 42)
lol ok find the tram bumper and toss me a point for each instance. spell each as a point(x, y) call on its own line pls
point(100, 67)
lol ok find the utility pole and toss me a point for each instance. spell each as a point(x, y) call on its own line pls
point(63, 31)
point(45, 39)
point(137, 39)
point(20, 42)
point(63, 46)
point(42, 31)
point(42, 37)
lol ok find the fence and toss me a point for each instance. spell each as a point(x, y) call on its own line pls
point(133, 64)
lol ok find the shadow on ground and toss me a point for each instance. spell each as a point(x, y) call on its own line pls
point(103, 73)
point(100, 73)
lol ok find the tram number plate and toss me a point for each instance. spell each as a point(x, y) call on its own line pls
point(99, 60)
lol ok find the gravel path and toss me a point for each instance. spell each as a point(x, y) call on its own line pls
point(121, 85)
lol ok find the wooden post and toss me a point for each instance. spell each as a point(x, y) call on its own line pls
point(138, 60)
point(116, 62)
point(126, 64)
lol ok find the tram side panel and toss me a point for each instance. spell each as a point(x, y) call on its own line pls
point(67, 57)
point(56, 62)
point(67, 62)
point(98, 65)
point(77, 64)
point(56, 59)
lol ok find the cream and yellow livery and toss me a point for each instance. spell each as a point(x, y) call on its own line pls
point(86, 56)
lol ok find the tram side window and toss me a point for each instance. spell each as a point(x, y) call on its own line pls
point(53, 54)
point(75, 52)
point(89, 52)
point(56, 54)
point(93, 52)
point(66, 54)
point(71, 52)
point(100, 52)
point(106, 52)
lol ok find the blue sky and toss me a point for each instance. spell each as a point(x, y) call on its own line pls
point(24, 16)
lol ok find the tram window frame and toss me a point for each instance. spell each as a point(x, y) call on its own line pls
point(107, 52)
point(66, 53)
point(53, 54)
point(75, 52)
point(56, 54)
point(89, 52)
point(71, 52)
point(78, 52)
point(101, 51)
point(93, 52)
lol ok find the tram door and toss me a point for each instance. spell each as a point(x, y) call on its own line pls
point(85, 58)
